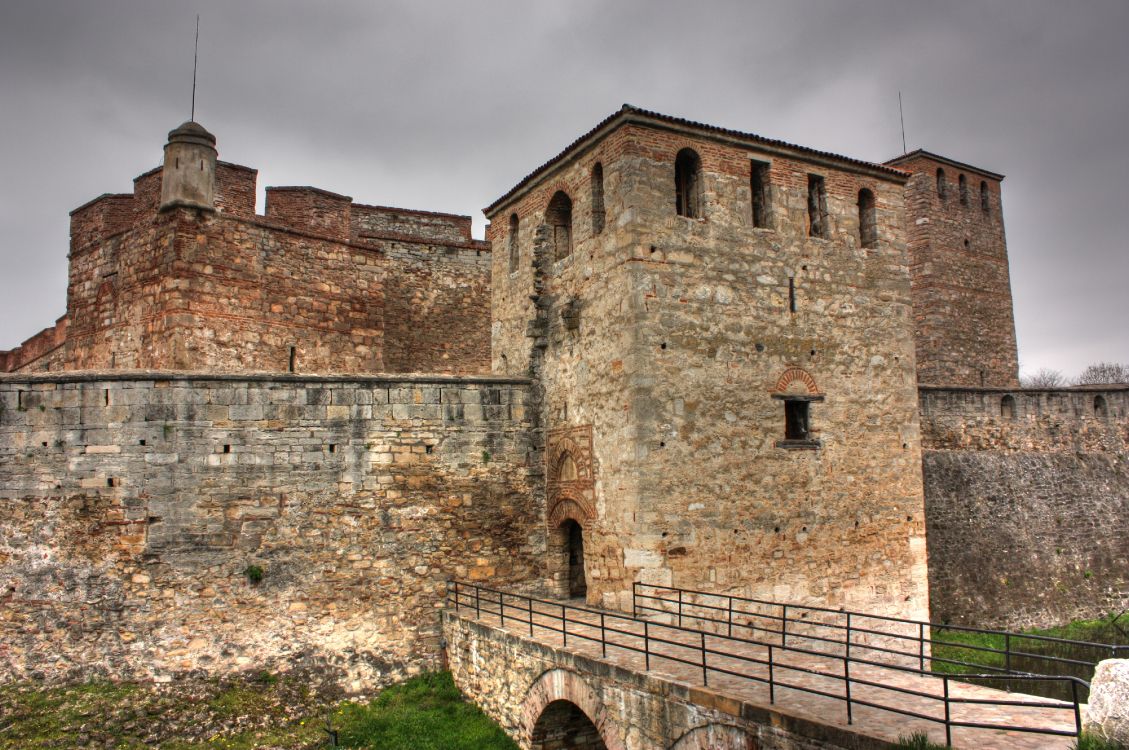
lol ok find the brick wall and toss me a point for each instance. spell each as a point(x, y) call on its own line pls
point(962, 305)
point(132, 506)
point(1026, 493)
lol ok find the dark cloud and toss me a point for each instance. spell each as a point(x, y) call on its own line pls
point(446, 105)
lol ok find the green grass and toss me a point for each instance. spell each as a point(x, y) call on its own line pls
point(1092, 742)
point(253, 711)
point(425, 713)
point(917, 741)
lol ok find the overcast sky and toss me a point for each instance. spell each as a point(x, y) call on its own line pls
point(445, 105)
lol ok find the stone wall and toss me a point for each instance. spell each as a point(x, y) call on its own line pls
point(516, 680)
point(666, 345)
point(317, 284)
point(134, 508)
point(1026, 496)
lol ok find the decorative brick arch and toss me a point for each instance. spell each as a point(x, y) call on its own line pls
point(794, 375)
point(716, 737)
point(571, 496)
point(565, 685)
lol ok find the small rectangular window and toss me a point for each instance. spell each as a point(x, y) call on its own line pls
point(796, 420)
point(817, 207)
point(758, 185)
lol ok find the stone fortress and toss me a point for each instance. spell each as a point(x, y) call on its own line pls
point(684, 355)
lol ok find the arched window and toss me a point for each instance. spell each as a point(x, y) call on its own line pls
point(1007, 407)
point(940, 183)
point(597, 198)
point(984, 199)
point(688, 184)
point(558, 215)
point(963, 190)
point(868, 219)
point(818, 225)
point(1101, 411)
point(513, 243)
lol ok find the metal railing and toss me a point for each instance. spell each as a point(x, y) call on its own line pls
point(892, 636)
point(756, 661)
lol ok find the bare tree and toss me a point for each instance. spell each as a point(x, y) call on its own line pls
point(1044, 378)
point(1104, 372)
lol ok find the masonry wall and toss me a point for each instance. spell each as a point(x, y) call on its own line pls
point(664, 339)
point(133, 506)
point(1026, 504)
point(963, 319)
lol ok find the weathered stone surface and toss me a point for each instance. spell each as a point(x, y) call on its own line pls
point(1026, 496)
point(132, 510)
point(1107, 715)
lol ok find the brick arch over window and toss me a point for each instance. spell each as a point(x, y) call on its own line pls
point(716, 737)
point(567, 508)
point(564, 685)
point(793, 375)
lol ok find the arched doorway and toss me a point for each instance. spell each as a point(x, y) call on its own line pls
point(564, 725)
point(574, 551)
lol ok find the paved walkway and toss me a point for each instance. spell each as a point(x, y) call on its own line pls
point(821, 673)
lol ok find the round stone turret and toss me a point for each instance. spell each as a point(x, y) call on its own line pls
point(189, 174)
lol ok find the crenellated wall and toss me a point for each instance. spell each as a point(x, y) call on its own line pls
point(133, 506)
point(1026, 496)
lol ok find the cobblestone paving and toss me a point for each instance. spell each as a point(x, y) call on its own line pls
point(677, 655)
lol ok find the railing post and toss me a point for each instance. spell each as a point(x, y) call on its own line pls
point(705, 675)
point(679, 607)
point(784, 625)
point(948, 717)
point(502, 610)
point(921, 645)
point(634, 600)
point(1077, 708)
point(1007, 652)
point(529, 601)
point(847, 683)
point(458, 609)
point(647, 644)
point(564, 624)
point(603, 638)
point(730, 615)
point(848, 654)
point(477, 603)
point(771, 679)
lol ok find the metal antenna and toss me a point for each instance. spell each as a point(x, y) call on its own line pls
point(902, 117)
point(195, 56)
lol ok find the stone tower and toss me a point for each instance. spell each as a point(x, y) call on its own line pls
point(722, 328)
point(962, 309)
point(189, 174)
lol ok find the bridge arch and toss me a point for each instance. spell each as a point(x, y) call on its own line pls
point(559, 695)
point(716, 737)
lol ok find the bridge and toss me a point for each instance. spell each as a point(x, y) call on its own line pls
point(692, 670)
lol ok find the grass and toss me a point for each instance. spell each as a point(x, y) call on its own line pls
point(255, 711)
point(425, 713)
point(960, 645)
point(917, 741)
point(1093, 742)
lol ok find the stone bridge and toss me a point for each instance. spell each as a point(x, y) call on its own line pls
point(600, 688)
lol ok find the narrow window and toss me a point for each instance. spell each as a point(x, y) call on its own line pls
point(1007, 407)
point(817, 207)
point(792, 294)
point(293, 358)
point(597, 198)
point(688, 184)
point(963, 190)
point(868, 219)
point(1100, 409)
point(797, 419)
point(559, 217)
point(984, 196)
point(940, 183)
point(513, 242)
point(758, 186)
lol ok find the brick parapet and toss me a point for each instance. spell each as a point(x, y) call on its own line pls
point(42, 351)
